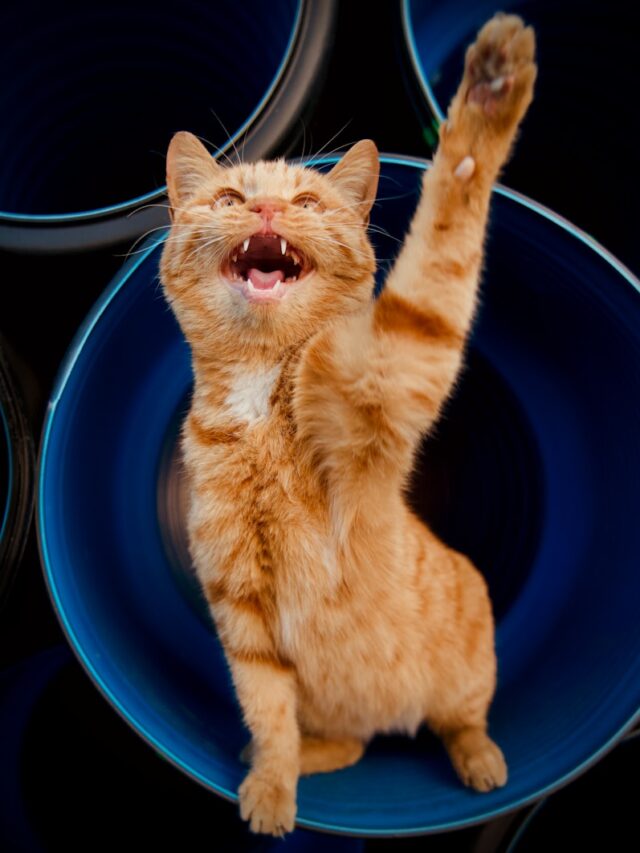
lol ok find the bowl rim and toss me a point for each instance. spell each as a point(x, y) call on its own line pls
point(16, 514)
point(139, 726)
point(412, 49)
point(280, 106)
point(516, 833)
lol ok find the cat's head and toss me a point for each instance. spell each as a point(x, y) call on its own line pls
point(266, 252)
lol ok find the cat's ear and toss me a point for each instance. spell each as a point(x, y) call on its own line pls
point(189, 166)
point(356, 174)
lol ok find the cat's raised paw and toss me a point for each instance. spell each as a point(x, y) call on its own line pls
point(269, 806)
point(499, 68)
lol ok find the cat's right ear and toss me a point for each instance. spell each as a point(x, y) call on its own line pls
point(356, 174)
point(189, 166)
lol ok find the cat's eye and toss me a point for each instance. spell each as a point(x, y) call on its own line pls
point(308, 201)
point(227, 198)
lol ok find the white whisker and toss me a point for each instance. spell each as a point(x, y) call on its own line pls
point(229, 137)
point(316, 156)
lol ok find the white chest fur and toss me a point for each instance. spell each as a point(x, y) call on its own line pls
point(249, 394)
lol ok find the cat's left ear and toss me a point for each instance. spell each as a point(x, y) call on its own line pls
point(356, 174)
point(189, 166)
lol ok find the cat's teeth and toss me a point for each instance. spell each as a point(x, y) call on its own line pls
point(245, 245)
point(234, 258)
point(283, 246)
point(496, 84)
point(294, 258)
point(251, 287)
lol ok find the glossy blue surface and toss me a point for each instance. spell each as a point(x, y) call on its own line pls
point(538, 472)
point(6, 471)
point(94, 92)
point(577, 138)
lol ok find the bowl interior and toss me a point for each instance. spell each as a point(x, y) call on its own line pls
point(533, 470)
point(94, 92)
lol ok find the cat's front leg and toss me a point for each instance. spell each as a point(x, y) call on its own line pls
point(371, 385)
point(266, 690)
point(438, 269)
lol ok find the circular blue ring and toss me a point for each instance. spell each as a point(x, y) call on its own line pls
point(131, 204)
point(424, 84)
point(94, 670)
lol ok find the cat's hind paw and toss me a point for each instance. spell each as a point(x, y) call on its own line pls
point(478, 761)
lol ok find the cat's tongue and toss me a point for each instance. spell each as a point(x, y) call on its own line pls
point(264, 280)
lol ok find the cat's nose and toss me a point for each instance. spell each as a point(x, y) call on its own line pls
point(267, 208)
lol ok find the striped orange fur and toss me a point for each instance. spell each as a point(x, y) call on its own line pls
point(341, 614)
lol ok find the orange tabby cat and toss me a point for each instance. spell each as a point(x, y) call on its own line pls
point(341, 614)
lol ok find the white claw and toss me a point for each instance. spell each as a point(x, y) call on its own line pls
point(497, 84)
point(283, 245)
point(245, 245)
point(465, 168)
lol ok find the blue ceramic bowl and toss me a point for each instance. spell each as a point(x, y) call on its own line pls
point(17, 464)
point(577, 140)
point(534, 471)
point(92, 94)
point(6, 472)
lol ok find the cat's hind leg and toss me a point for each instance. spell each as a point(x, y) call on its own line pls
point(320, 755)
point(477, 759)
point(461, 724)
point(464, 678)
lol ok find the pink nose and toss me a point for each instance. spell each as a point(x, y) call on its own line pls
point(267, 208)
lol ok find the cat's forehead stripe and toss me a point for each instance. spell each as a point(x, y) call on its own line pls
point(271, 178)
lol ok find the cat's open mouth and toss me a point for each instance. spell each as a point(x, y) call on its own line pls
point(264, 267)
